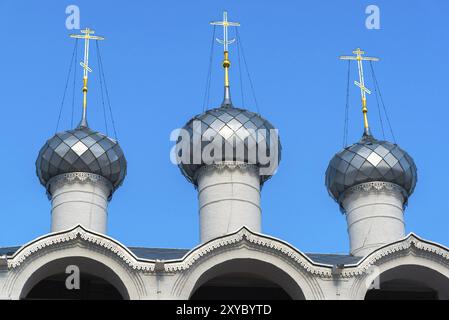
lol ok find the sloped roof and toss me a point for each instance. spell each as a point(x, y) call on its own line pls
point(333, 259)
point(158, 253)
point(175, 254)
point(9, 251)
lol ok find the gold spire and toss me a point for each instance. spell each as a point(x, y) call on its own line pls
point(361, 84)
point(87, 35)
point(226, 63)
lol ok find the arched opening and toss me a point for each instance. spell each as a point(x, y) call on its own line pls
point(56, 280)
point(91, 288)
point(410, 282)
point(245, 279)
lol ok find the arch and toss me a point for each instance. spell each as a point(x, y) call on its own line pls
point(256, 263)
point(91, 271)
point(410, 282)
point(245, 279)
point(407, 273)
point(53, 260)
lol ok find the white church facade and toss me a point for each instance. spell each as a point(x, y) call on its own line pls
point(236, 153)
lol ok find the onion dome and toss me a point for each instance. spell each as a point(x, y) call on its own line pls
point(239, 128)
point(225, 129)
point(81, 150)
point(367, 161)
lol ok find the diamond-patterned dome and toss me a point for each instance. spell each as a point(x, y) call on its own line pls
point(235, 127)
point(367, 161)
point(81, 150)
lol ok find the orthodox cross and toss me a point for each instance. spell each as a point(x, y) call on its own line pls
point(87, 35)
point(361, 83)
point(225, 42)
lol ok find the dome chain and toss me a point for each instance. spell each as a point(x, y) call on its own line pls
point(100, 78)
point(240, 75)
point(240, 44)
point(74, 85)
point(345, 128)
point(66, 86)
point(209, 73)
point(378, 103)
point(106, 89)
point(376, 84)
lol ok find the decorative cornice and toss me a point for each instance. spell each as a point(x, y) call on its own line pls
point(409, 244)
point(254, 240)
point(220, 166)
point(77, 177)
point(79, 234)
point(194, 256)
point(374, 186)
point(405, 246)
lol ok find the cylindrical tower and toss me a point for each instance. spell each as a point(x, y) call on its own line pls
point(80, 170)
point(220, 152)
point(228, 153)
point(372, 181)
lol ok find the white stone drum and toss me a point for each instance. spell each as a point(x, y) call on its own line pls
point(375, 216)
point(229, 198)
point(79, 199)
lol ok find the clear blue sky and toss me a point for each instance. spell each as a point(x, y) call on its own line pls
point(156, 58)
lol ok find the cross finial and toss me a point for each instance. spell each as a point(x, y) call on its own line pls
point(361, 84)
point(225, 23)
point(87, 35)
point(226, 63)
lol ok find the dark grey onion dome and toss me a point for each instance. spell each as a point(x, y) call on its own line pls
point(81, 150)
point(367, 161)
point(233, 126)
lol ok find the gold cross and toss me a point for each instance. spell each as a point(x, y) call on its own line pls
point(87, 35)
point(225, 23)
point(361, 84)
point(225, 42)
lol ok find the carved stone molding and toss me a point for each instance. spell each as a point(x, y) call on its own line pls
point(375, 186)
point(82, 177)
point(77, 177)
point(79, 234)
point(409, 245)
point(253, 240)
point(243, 235)
point(232, 165)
